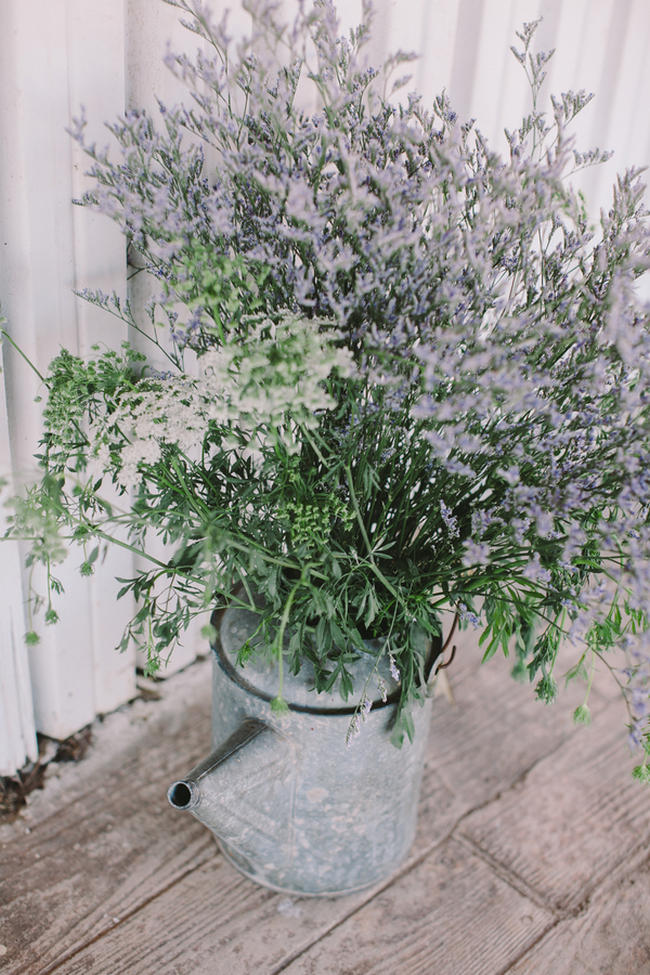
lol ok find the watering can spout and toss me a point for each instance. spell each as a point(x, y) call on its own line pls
point(225, 792)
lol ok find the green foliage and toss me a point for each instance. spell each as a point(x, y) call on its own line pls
point(405, 379)
point(582, 715)
point(642, 773)
point(279, 705)
point(228, 288)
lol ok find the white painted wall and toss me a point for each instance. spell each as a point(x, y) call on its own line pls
point(106, 54)
point(53, 56)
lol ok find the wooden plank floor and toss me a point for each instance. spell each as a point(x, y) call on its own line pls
point(532, 855)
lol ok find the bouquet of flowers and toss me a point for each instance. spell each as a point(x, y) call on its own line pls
point(405, 378)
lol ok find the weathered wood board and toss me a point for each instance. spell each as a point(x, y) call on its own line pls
point(523, 821)
point(101, 839)
point(571, 820)
point(610, 937)
point(445, 907)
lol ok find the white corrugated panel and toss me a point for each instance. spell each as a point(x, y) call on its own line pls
point(56, 55)
point(17, 729)
point(52, 58)
point(96, 79)
point(149, 27)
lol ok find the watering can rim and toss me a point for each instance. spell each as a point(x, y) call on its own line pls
point(236, 676)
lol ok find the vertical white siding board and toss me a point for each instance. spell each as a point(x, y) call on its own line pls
point(37, 281)
point(62, 665)
point(549, 11)
point(500, 95)
point(113, 672)
point(637, 54)
point(350, 12)
point(549, 38)
point(14, 266)
point(466, 44)
point(582, 36)
point(17, 731)
point(382, 39)
point(17, 728)
point(613, 76)
point(96, 79)
point(602, 47)
point(423, 29)
point(629, 133)
point(149, 30)
point(437, 22)
point(507, 96)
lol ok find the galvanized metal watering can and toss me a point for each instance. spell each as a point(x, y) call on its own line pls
point(292, 805)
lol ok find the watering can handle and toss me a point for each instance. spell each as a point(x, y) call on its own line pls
point(433, 666)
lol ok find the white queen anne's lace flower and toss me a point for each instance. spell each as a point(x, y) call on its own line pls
point(260, 390)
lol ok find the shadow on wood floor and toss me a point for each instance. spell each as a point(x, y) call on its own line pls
point(531, 857)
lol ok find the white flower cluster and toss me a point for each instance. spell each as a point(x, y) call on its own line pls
point(276, 376)
point(258, 392)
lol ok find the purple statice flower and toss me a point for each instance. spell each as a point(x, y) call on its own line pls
point(491, 436)
point(451, 522)
point(467, 616)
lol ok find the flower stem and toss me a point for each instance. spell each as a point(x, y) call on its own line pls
point(20, 352)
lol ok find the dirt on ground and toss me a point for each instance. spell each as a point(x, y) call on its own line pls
point(14, 789)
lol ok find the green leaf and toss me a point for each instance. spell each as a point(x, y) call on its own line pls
point(244, 653)
point(491, 650)
point(338, 637)
point(346, 687)
point(209, 633)
point(322, 634)
point(372, 609)
point(279, 705)
point(579, 670)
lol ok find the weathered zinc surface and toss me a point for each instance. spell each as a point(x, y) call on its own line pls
point(532, 856)
point(345, 824)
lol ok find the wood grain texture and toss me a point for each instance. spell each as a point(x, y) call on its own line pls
point(212, 921)
point(572, 820)
point(440, 917)
point(17, 729)
point(102, 839)
point(497, 729)
point(100, 876)
point(216, 922)
point(611, 938)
